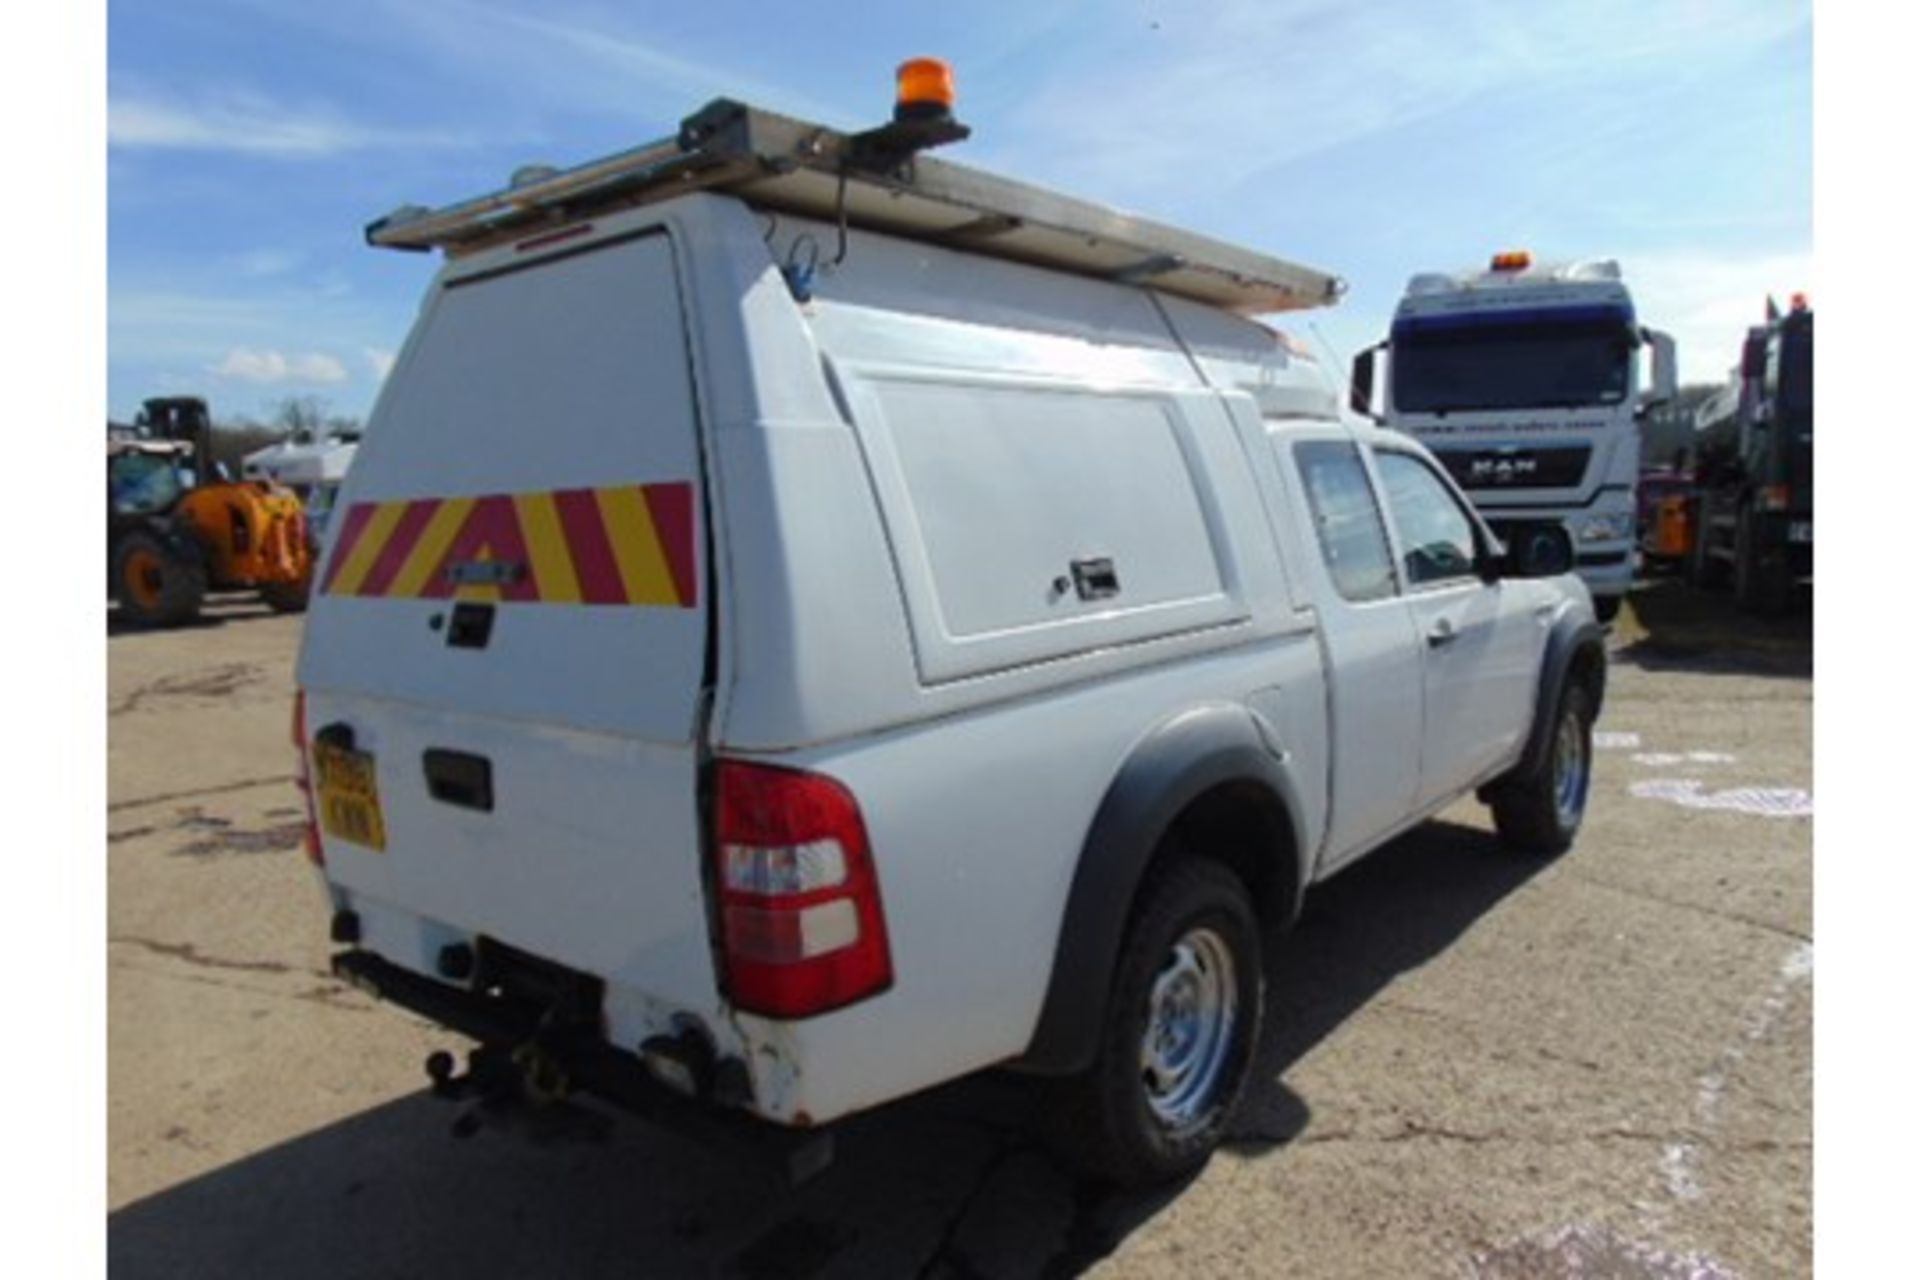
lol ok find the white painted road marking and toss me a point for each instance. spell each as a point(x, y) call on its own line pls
point(1766, 802)
point(1682, 757)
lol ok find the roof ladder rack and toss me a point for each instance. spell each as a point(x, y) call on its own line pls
point(775, 162)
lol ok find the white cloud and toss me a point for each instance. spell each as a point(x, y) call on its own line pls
point(1707, 302)
point(565, 55)
point(333, 284)
point(1238, 87)
point(267, 262)
point(381, 362)
point(245, 364)
point(250, 124)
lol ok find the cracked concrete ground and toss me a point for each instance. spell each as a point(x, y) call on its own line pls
point(1477, 1067)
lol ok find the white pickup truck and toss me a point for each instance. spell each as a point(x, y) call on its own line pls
point(803, 627)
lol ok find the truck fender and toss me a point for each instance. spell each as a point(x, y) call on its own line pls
point(1177, 762)
point(1571, 640)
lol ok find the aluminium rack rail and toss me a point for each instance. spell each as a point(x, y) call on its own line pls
point(776, 162)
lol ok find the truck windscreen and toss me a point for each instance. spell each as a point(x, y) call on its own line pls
point(1527, 360)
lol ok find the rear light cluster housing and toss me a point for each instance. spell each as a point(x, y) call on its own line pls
point(801, 923)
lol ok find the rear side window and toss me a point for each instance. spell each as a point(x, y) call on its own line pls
point(1436, 532)
point(1353, 540)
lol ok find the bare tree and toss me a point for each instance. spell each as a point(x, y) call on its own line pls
point(303, 419)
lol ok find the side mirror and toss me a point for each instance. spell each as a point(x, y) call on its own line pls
point(1664, 376)
point(1538, 551)
point(1360, 390)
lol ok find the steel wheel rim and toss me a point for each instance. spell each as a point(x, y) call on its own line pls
point(1569, 770)
point(1192, 1010)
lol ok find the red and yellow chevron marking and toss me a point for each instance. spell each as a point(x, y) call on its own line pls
point(632, 544)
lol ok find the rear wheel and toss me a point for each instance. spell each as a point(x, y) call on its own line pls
point(1540, 814)
point(1761, 586)
point(154, 584)
point(1607, 608)
point(1704, 569)
point(1182, 1024)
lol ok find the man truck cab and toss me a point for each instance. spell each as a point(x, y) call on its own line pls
point(1523, 380)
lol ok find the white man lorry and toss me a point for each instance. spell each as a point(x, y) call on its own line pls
point(1522, 379)
point(808, 622)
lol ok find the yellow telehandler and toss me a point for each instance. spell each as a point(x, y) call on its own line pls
point(176, 529)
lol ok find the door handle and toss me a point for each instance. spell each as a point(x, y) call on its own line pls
point(1441, 634)
point(459, 778)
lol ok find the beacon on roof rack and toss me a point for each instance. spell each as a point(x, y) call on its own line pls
point(876, 180)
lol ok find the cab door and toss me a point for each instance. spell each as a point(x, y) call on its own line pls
point(1373, 650)
point(1480, 641)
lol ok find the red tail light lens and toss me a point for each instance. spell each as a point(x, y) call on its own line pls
point(802, 926)
point(303, 780)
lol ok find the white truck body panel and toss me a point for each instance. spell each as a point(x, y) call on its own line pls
point(301, 465)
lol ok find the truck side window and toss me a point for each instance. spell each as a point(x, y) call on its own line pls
point(1353, 538)
point(1436, 532)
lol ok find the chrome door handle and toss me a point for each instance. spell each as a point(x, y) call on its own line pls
point(1441, 634)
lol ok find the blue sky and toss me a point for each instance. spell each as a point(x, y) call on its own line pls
point(249, 141)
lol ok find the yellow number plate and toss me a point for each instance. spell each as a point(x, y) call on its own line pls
point(348, 796)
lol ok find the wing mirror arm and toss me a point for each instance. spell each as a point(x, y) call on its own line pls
point(1360, 384)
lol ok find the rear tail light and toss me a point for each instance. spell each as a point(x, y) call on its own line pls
point(802, 927)
point(303, 780)
point(1775, 497)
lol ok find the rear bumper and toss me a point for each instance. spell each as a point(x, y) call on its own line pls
point(590, 1065)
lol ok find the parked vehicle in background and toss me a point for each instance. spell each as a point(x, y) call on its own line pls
point(1752, 514)
point(1665, 526)
point(312, 467)
point(932, 628)
point(1522, 379)
point(177, 529)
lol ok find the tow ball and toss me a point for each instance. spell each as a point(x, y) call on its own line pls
point(501, 1084)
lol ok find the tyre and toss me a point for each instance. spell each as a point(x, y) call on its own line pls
point(1183, 1021)
point(1703, 568)
point(154, 584)
point(1607, 608)
point(1760, 587)
point(1540, 814)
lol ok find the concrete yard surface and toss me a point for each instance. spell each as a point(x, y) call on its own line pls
point(1477, 1066)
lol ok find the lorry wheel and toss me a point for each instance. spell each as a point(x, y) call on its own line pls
point(1703, 568)
point(1759, 586)
point(1541, 814)
point(154, 585)
point(1182, 1024)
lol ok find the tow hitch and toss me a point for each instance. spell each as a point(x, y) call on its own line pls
point(536, 1056)
point(524, 1088)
